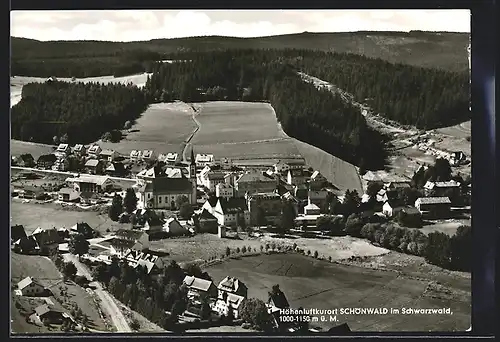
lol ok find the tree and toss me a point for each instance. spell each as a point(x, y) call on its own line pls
point(373, 189)
point(353, 225)
point(315, 254)
point(64, 138)
point(135, 325)
point(100, 273)
point(442, 170)
point(78, 245)
point(243, 249)
point(261, 216)
point(351, 203)
point(228, 251)
point(116, 208)
point(461, 249)
point(205, 310)
point(180, 200)
point(69, 270)
point(56, 140)
point(438, 249)
point(254, 311)
point(127, 125)
point(130, 201)
point(186, 211)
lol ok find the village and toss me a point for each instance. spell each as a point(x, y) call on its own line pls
point(162, 197)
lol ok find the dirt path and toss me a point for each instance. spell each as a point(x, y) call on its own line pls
point(107, 303)
point(187, 142)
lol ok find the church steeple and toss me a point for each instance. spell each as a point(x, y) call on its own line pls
point(192, 157)
point(192, 166)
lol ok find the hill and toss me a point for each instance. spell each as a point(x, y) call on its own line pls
point(443, 50)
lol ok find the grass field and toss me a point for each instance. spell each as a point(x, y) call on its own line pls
point(312, 283)
point(50, 215)
point(163, 127)
point(448, 228)
point(462, 130)
point(44, 270)
point(17, 82)
point(18, 147)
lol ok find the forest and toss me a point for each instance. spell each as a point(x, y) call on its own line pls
point(80, 112)
point(316, 117)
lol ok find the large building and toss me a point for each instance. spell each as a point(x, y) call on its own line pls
point(232, 212)
point(91, 183)
point(224, 190)
point(434, 207)
point(254, 182)
point(231, 294)
point(267, 205)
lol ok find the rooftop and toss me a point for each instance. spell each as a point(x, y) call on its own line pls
point(92, 163)
point(83, 178)
point(107, 152)
point(197, 283)
point(25, 282)
point(129, 234)
point(169, 185)
point(66, 191)
point(94, 149)
point(434, 200)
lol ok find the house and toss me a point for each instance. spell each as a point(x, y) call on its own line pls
point(50, 314)
point(311, 209)
point(397, 186)
point(151, 261)
point(163, 192)
point(89, 198)
point(46, 161)
point(207, 223)
point(224, 190)
point(254, 182)
point(94, 167)
point(393, 208)
point(30, 287)
point(210, 178)
point(232, 212)
point(126, 240)
point(231, 293)
point(61, 165)
point(199, 287)
point(317, 197)
point(442, 189)
point(153, 224)
point(79, 150)
point(317, 181)
point(171, 158)
point(47, 240)
point(91, 183)
point(147, 155)
point(281, 167)
point(115, 169)
point(30, 192)
point(84, 229)
point(173, 227)
point(62, 150)
point(108, 155)
point(68, 195)
point(265, 206)
point(135, 155)
point(147, 175)
point(17, 232)
point(94, 151)
point(300, 191)
point(25, 160)
point(296, 177)
point(434, 207)
point(457, 158)
point(204, 159)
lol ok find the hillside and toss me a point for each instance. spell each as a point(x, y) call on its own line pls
point(426, 49)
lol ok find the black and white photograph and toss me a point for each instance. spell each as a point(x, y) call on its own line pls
point(240, 171)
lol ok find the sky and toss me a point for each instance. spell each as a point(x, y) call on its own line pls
point(133, 25)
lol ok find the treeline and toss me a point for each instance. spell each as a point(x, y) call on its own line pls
point(149, 295)
point(127, 63)
point(81, 111)
point(306, 113)
point(425, 98)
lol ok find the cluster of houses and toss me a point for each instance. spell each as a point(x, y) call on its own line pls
point(455, 158)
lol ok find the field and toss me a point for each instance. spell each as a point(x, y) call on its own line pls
point(312, 283)
point(51, 215)
point(448, 227)
point(162, 127)
point(18, 147)
point(462, 130)
point(44, 270)
point(339, 172)
point(17, 82)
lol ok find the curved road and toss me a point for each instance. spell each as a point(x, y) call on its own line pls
point(186, 143)
point(107, 302)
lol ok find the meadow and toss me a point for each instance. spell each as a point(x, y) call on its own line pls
point(312, 283)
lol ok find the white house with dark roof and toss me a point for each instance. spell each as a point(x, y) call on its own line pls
point(148, 155)
point(224, 190)
point(126, 240)
point(202, 159)
point(79, 150)
point(197, 287)
point(231, 212)
point(211, 178)
point(231, 294)
point(94, 151)
point(172, 158)
point(135, 155)
point(163, 192)
point(440, 189)
point(62, 150)
point(174, 227)
point(68, 195)
point(108, 155)
point(91, 183)
point(434, 207)
point(254, 182)
point(30, 287)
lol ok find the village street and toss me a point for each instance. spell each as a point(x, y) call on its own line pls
point(107, 302)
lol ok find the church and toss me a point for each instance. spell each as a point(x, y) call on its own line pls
point(162, 192)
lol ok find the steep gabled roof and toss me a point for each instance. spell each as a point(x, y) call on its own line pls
point(233, 205)
point(26, 282)
point(279, 300)
point(254, 177)
point(92, 163)
point(231, 284)
point(17, 232)
point(205, 215)
point(47, 158)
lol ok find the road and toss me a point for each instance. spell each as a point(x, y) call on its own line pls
point(186, 143)
point(107, 303)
